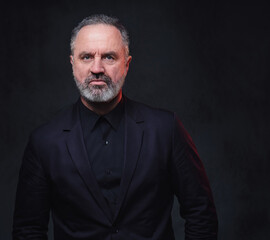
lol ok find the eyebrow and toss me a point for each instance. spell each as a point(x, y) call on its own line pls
point(113, 53)
point(84, 53)
point(110, 53)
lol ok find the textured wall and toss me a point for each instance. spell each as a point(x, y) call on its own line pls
point(207, 61)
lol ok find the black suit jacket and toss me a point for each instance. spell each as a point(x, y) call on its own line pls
point(160, 161)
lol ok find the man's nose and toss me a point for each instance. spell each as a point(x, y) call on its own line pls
point(97, 66)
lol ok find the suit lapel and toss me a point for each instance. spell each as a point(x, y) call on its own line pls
point(133, 142)
point(78, 153)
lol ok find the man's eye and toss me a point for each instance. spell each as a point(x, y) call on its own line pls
point(86, 57)
point(109, 57)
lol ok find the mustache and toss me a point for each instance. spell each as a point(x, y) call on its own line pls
point(100, 77)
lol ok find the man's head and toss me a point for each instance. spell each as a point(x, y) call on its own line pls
point(99, 57)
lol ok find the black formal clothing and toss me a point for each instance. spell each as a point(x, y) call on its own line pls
point(104, 141)
point(160, 162)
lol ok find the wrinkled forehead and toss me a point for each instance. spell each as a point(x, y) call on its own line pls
point(99, 36)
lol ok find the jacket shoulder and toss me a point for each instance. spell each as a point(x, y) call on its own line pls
point(150, 112)
point(159, 120)
point(61, 121)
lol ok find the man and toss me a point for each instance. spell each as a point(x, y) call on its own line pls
point(108, 167)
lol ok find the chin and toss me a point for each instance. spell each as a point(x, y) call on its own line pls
point(99, 98)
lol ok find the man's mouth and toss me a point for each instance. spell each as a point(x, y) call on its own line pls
point(97, 82)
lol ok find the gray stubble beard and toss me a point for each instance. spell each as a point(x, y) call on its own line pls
point(97, 93)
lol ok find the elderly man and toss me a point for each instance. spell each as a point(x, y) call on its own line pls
point(109, 167)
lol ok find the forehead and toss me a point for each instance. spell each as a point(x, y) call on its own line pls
point(98, 37)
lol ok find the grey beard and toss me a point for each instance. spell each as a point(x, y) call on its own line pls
point(99, 93)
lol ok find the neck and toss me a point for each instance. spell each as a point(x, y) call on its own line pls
point(102, 108)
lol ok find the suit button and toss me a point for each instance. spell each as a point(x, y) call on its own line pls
point(116, 230)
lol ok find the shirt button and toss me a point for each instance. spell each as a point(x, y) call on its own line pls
point(106, 142)
point(115, 229)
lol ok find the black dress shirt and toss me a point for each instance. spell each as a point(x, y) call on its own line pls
point(104, 141)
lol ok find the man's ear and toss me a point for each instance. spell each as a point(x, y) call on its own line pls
point(71, 59)
point(128, 62)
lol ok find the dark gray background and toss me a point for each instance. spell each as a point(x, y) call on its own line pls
point(207, 61)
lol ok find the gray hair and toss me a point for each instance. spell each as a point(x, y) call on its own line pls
point(100, 19)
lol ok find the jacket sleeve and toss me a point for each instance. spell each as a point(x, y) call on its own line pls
point(32, 206)
point(192, 188)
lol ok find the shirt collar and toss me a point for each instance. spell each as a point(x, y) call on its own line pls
point(89, 118)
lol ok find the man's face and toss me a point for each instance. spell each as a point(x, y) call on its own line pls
point(99, 62)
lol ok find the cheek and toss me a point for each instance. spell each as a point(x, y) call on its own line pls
point(116, 73)
point(80, 72)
